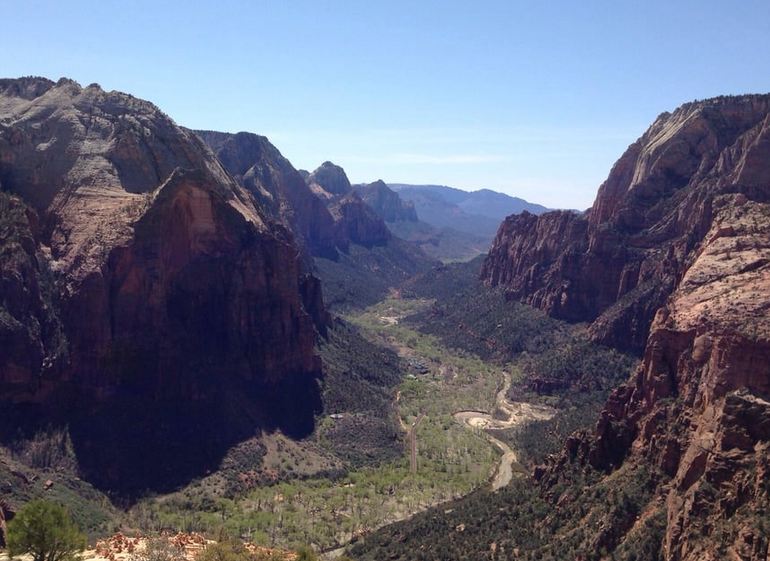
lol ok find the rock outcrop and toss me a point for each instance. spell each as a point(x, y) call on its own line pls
point(616, 264)
point(260, 168)
point(386, 203)
point(329, 180)
point(134, 266)
point(356, 221)
point(688, 209)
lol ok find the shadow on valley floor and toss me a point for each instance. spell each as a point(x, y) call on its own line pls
point(130, 447)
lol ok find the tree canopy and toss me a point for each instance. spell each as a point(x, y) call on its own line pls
point(45, 530)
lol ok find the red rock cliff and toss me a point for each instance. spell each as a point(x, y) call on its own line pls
point(616, 264)
point(168, 278)
point(691, 200)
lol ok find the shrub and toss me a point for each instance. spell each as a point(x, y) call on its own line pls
point(46, 532)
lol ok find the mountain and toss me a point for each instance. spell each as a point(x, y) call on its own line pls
point(146, 299)
point(345, 242)
point(262, 170)
point(356, 220)
point(375, 260)
point(673, 258)
point(444, 244)
point(478, 212)
point(386, 203)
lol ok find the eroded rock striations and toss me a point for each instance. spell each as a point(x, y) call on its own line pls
point(136, 268)
point(279, 188)
point(674, 253)
point(617, 263)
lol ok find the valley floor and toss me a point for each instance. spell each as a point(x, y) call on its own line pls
point(516, 415)
point(454, 458)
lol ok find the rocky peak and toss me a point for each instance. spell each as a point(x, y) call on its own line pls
point(28, 87)
point(616, 264)
point(141, 274)
point(331, 178)
point(386, 202)
point(280, 189)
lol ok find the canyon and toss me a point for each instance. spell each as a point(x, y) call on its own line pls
point(175, 304)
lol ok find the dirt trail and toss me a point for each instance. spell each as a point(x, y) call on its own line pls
point(518, 413)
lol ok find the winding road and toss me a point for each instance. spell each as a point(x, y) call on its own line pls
point(518, 413)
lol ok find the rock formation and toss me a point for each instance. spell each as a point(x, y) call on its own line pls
point(386, 203)
point(356, 221)
point(280, 189)
point(616, 264)
point(676, 253)
point(331, 179)
point(134, 266)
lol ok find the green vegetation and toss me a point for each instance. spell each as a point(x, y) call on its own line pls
point(525, 522)
point(553, 363)
point(367, 396)
point(20, 484)
point(45, 531)
point(364, 276)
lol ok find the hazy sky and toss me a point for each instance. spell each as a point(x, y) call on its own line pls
point(536, 99)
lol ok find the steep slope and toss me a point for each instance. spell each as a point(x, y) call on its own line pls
point(374, 260)
point(344, 239)
point(616, 264)
point(698, 408)
point(260, 168)
point(675, 253)
point(141, 275)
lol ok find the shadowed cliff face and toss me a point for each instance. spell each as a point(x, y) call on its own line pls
point(152, 279)
point(687, 209)
point(616, 264)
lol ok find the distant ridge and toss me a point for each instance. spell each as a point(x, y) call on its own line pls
point(474, 212)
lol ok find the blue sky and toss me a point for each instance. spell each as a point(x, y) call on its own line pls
point(536, 99)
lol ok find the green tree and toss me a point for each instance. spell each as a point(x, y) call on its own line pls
point(45, 531)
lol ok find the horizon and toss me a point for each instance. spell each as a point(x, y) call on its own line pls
point(537, 102)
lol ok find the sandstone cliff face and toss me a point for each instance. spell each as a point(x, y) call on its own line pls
point(331, 179)
point(31, 337)
point(386, 203)
point(697, 411)
point(616, 264)
point(279, 188)
point(355, 220)
point(151, 274)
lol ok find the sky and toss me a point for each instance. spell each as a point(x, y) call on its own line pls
point(535, 99)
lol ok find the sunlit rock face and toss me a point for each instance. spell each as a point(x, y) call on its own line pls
point(690, 204)
point(616, 264)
